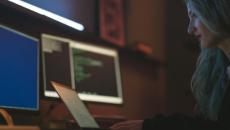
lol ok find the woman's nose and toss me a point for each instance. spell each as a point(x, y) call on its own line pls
point(191, 28)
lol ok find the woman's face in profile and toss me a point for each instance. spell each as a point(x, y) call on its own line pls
point(201, 32)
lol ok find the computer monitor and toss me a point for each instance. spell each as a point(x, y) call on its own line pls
point(96, 73)
point(19, 70)
point(57, 65)
point(92, 70)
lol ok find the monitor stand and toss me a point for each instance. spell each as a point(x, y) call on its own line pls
point(10, 124)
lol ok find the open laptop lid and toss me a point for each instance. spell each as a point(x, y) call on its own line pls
point(75, 106)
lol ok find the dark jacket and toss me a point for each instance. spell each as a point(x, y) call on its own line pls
point(183, 122)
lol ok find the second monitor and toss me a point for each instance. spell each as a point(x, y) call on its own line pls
point(92, 70)
point(96, 73)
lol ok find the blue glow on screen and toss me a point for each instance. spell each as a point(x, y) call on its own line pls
point(18, 70)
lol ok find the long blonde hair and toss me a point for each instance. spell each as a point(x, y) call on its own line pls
point(211, 67)
point(207, 82)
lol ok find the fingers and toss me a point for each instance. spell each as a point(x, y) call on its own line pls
point(128, 125)
point(117, 126)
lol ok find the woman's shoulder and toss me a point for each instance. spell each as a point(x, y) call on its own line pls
point(228, 72)
point(224, 114)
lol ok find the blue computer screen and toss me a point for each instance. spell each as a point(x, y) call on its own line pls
point(19, 57)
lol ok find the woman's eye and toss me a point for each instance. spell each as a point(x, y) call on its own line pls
point(193, 15)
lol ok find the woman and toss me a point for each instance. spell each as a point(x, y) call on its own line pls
point(210, 24)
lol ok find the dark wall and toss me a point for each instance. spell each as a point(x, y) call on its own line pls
point(181, 52)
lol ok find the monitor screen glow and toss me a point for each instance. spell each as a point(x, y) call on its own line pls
point(19, 70)
point(96, 73)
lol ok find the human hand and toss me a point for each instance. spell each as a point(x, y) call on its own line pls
point(128, 125)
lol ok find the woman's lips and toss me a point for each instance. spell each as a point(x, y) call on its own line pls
point(199, 37)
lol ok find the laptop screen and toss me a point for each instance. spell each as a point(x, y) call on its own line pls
point(75, 106)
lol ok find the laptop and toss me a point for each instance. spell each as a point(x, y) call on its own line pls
point(76, 107)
